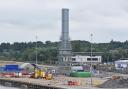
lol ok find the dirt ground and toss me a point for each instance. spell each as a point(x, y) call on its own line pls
point(62, 81)
point(120, 83)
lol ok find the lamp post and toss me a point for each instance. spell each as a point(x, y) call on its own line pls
point(36, 50)
point(91, 61)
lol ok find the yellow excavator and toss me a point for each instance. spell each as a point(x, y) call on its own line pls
point(38, 73)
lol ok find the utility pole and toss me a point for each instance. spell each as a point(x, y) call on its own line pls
point(91, 61)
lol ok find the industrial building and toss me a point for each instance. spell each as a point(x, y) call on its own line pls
point(121, 64)
point(86, 59)
point(65, 55)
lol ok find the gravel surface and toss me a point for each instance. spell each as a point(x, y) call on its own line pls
point(119, 83)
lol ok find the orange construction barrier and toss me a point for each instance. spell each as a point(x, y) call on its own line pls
point(69, 83)
point(73, 83)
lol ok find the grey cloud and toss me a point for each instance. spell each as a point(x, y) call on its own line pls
point(44, 16)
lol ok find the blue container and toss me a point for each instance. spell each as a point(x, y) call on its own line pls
point(12, 68)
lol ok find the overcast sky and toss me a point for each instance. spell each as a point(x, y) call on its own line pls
point(105, 19)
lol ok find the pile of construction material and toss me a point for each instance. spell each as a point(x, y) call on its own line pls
point(115, 82)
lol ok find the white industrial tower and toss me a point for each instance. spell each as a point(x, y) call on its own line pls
point(65, 49)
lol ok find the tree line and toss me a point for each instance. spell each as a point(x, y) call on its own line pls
point(47, 51)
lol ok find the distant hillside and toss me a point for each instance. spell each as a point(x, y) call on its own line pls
point(48, 51)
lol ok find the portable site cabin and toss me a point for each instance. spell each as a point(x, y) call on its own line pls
point(121, 64)
point(86, 59)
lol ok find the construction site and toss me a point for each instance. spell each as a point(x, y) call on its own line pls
point(26, 75)
point(81, 70)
